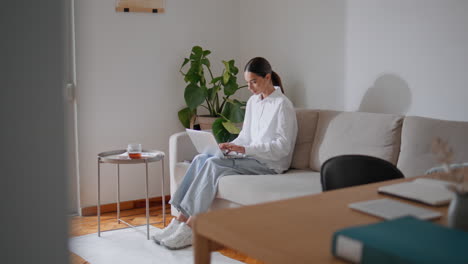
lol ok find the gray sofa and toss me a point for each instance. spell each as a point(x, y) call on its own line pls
point(322, 134)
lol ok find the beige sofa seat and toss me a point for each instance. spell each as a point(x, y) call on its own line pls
point(416, 142)
point(253, 189)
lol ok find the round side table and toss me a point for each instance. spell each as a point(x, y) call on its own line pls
point(121, 157)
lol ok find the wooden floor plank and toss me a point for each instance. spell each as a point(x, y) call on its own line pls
point(84, 225)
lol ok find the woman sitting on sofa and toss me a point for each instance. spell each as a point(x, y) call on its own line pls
point(267, 139)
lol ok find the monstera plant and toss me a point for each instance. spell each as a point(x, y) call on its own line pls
point(213, 93)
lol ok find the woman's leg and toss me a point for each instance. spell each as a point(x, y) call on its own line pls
point(193, 170)
point(202, 191)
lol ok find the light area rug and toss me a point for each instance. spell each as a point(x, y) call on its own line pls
point(127, 246)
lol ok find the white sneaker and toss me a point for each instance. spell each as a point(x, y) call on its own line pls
point(166, 232)
point(182, 238)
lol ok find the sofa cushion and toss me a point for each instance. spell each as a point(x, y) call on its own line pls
point(306, 124)
point(253, 189)
point(416, 141)
point(340, 133)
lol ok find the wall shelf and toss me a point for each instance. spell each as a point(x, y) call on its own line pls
point(140, 6)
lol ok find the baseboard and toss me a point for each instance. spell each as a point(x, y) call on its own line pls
point(108, 208)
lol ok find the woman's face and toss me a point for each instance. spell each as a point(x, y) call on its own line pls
point(257, 84)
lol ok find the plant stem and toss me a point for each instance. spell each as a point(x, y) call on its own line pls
point(218, 110)
point(211, 74)
point(210, 107)
point(224, 101)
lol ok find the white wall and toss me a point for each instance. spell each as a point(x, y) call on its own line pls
point(407, 57)
point(304, 42)
point(129, 88)
point(404, 57)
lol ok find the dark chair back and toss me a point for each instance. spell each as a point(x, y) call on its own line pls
point(350, 170)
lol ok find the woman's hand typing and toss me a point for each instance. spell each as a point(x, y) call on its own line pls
point(232, 147)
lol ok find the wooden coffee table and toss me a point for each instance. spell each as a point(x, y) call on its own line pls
point(291, 231)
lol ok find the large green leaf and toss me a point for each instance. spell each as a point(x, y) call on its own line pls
point(192, 76)
point(194, 95)
point(231, 87)
point(202, 80)
point(231, 128)
point(233, 69)
point(185, 115)
point(227, 66)
point(205, 90)
point(220, 132)
point(198, 68)
point(197, 49)
point(234, 110)
point(226, 77)
point(197, 53)
point(211, 92)
point(206, 62)
point(206, 53)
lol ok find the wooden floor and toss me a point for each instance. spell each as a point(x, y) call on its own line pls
point(83, 225)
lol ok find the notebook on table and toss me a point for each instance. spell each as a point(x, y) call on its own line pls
point(428, 191)
point(205, 143)
point(391, 209)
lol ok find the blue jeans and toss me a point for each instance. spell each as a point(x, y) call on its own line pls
point(200, 183)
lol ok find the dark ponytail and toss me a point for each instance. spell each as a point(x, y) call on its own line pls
point(261, 67)
point(276, 80)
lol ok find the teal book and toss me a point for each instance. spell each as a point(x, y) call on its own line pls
point(403, 240)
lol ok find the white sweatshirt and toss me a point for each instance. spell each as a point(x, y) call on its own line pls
point(269, 130)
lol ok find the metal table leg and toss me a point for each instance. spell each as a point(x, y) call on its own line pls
point(162, 194)
point(118, 193)
point(147, 202)
point(99, 197)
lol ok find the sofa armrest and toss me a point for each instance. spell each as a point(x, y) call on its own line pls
point(181, 149)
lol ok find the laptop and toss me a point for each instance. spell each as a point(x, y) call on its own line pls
point(428, 191)
point(205, 143)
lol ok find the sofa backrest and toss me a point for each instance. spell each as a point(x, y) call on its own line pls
point(306, 126)
point(340, 133)
point(416, 140)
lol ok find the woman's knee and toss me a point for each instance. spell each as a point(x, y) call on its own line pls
point(217, 166)
point(214, 161)
point(201, 157)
